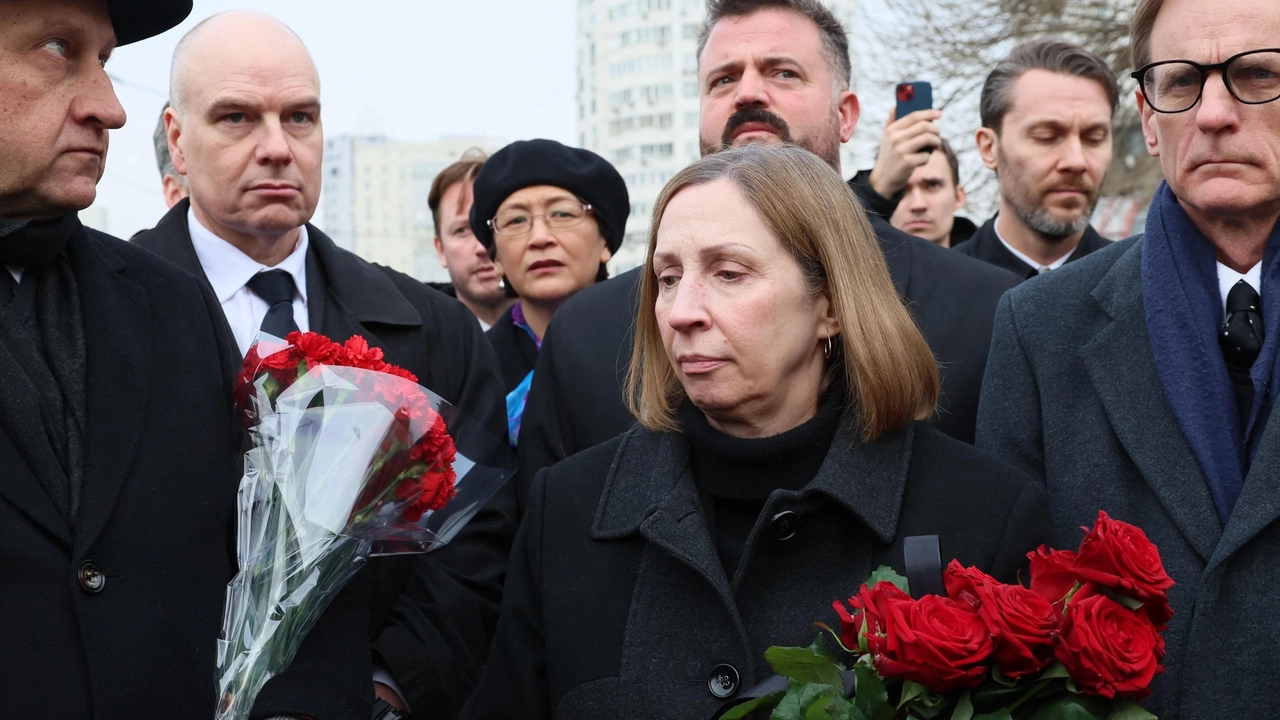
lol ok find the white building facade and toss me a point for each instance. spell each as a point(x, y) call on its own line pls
point(638, 97)
point(375, 198)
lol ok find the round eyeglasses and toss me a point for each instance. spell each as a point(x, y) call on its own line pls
point(519, 223)
point(1175, 86)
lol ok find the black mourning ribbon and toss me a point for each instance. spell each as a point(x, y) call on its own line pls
point(276, 288)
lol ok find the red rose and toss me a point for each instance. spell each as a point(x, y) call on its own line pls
point(1020, 621)
point(1053, 573)
point(1119, 556)
point(1108, 649)
point(938, 642)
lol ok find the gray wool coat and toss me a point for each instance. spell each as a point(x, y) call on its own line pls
point(617, 605)
point(1072, 397)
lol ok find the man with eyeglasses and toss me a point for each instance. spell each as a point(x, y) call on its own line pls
point(1141, 380)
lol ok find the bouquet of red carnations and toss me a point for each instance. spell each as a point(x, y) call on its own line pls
point(350, 458)
point(1082, 643)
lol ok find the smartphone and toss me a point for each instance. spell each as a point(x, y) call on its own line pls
point(913, 96)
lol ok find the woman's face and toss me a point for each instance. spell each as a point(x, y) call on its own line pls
point(546, 264)
point(744, 337)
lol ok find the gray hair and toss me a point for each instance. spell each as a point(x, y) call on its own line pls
point(1056, 56)
point(163, 160)
point(835, 39)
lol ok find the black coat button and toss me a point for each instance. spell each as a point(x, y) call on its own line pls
point(724, 681)
point(783, 525)
point(92, 579)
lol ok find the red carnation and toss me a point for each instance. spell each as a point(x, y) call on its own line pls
point(359, 354)
point(1108, 649)
point(315, 348)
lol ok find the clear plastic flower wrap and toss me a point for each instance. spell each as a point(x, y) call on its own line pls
point(350, 458)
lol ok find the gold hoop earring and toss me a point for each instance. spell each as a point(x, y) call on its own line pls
point(827, 353)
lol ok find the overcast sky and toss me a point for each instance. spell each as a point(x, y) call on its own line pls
point(410, 69)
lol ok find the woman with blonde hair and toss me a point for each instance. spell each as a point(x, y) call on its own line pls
point(779, 383)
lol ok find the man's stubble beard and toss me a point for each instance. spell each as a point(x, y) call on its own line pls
point(1032, 212)
point(826, 147)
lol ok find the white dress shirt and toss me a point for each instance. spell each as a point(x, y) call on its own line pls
point(1227, 279)
point(229, 271)
point(1042, 269)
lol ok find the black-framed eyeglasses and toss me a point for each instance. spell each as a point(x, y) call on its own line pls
point(561, 214)
point(1174, 86)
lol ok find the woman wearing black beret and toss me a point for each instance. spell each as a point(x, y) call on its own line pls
point(780, 386)
point(551, 216)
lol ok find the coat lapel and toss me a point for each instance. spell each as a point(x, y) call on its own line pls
point(1259, 503)
point(1120, 363)
point(20, 487)
point(650, 490)
point(117, 323)
point(171, 240)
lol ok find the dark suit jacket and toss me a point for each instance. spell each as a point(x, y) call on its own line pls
point(985, 245)
point(433, 615)
point(576, 399)
point(618, 605)
point(517, 353)
point(157, 516)
point(1073, 398)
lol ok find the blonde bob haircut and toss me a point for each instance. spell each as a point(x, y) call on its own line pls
point(885, 362)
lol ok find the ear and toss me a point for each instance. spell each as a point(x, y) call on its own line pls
point(848, 109)
point(987, 140)
point(828, 324)
point(1149, 136)
point(173, 131)
point(961, 196)
point(605, 253)
point(444, 262)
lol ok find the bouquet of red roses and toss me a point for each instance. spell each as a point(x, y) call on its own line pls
point(1083, 642)
point(350, 458)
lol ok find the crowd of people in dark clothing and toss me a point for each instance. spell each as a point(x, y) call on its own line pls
point(805, 372)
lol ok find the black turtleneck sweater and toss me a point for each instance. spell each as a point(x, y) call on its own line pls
point(735, 476)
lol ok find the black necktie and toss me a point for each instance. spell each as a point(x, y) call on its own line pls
point(1242, 334)
point(276, 288)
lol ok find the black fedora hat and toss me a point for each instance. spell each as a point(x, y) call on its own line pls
point(136, 20)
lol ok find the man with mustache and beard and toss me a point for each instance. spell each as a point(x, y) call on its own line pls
point(769, 71)
point(1046, 132)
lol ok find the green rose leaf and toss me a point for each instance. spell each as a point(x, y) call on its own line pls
point(746, 708)
point(964, 708)
point(1073, 707)
point(871, 697)
point(803, 665)
point(1001, 714)
point(1056, 670)
point(910, 691)
point(884, 573)
point(1129, 710)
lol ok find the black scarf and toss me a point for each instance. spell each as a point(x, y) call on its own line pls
point(42, 359)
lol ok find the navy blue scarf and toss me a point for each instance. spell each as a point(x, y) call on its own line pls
point(1184, 314)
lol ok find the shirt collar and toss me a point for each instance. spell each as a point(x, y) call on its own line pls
point(1227, 279)
point(1025, 258)
point(229, 269)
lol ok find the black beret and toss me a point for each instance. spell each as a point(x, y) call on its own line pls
point(526, 163)
point(136, 20)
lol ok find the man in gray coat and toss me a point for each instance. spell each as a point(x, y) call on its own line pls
point(1140, 380)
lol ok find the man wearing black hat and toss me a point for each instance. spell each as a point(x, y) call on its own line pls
point(552, 216)
point(755, 88)
point(245, 131)
point(118, 450)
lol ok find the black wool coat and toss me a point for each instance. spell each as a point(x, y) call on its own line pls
point(517, 352)
point(430, 617)
point(1073, 398)
point(576, 397)
point(618, 606)
point(157, 519)
point(985, 245)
